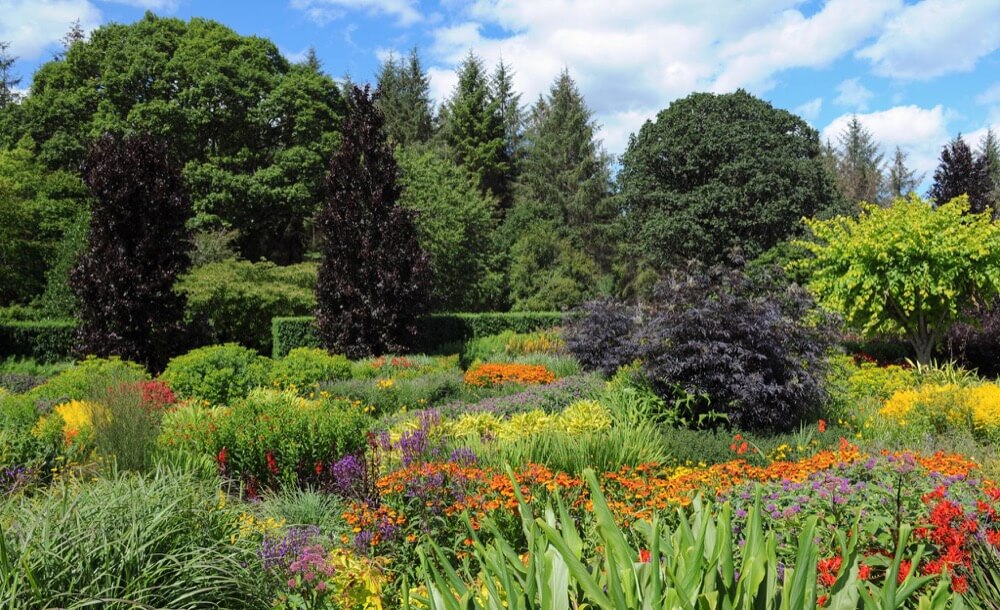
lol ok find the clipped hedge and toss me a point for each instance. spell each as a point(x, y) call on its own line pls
point(432, 331)
point(41, 340)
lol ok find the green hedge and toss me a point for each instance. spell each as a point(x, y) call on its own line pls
point(432, 331)
point(41, 340)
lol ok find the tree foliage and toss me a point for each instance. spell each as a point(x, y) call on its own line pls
point(37, 208)
point(8, 80)
point(137, 246)
point(474, 131)
point(859, 164)
point(716, 171)
point(251, 131)
point(901, 180)
point(374, 280)
point(989, 152)
point(454, 224)
point(961, 172)
point(405, 100)
point(909, 268)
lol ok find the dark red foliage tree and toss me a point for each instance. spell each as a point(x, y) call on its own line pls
point(374, 280)
point(137, 247)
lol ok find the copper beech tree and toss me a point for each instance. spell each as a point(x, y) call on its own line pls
point(374, 279)
point(137, 246)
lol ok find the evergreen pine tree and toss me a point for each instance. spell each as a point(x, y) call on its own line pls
point(475, 133)
point(313, 60)
point(859, 163)
point(8, 81)
point(374, 280)
point(404, 99)
point(566, 171)
point(508, 103)
point(989, 151)
point(901, 180)
point(961, 172)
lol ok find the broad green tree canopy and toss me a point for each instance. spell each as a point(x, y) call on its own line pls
point(909, 268)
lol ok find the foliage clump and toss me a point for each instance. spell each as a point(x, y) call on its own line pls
point(218, 374)
point(374, 279)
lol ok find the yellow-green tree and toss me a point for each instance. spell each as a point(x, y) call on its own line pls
point(909, 269)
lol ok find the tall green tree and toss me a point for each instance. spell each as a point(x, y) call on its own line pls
point(562, 193)
point(989, 151)
point(961, 172)
point(454, 225)
point(474, 131)
point(717, 171)
point(251, 131)
point(37, 208)
point(859, 164)
point(900, 180)
point(8, 80)
point(508, 102)
point(405, 100)
point(374, 279)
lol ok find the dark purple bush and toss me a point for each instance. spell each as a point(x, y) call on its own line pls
point(137, 246)
point(756, 348)
point(977, 345)
point(602, 338)
point(374, 279)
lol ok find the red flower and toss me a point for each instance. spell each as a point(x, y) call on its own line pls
point(272, 464)
point(822, 425)
point(864, 572)
point(221, 458)
point(644, 556)
point(904, 571)
point(319, 467)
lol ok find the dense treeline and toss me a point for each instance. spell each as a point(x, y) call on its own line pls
point(517, 206)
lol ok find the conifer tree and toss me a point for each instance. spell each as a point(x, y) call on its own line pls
point(989, 151)
point(961, 172)
point(475, 133)
point(137, 246)
point(374, 280)
point(405, 101)
point(8, 81)
point(859, 163)
point(901, 180)
point(508, 103)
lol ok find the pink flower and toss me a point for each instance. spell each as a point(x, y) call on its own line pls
point(291, 583)
point(321, 585)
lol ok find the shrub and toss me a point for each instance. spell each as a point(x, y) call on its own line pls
point(976, 345)
point(87, 378)
point(602, 337)
point(44, 340)
point(137, 246)
point(238, 299)
point(857, 391)
point(289, 333)
point(304, 368)
point(218, 374)
point(495, 374)
point(747, 344)
point(162, 542)
point(374, 279)
point(940, 408)
point(271, 439)
point(387, 395)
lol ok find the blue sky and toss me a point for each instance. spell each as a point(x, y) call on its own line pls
point(915, 72)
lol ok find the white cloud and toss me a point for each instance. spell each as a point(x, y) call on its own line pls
point(794, 40)
point(853, 94)
point(32, 26)
point(935, 37)
point(325, 11)
point(920, 132)
point(990, 96)
point(809, 110)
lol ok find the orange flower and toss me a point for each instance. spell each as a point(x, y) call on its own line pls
point(499, 373)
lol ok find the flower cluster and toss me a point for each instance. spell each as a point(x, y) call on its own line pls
point(493, 374)
point(937, 408)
